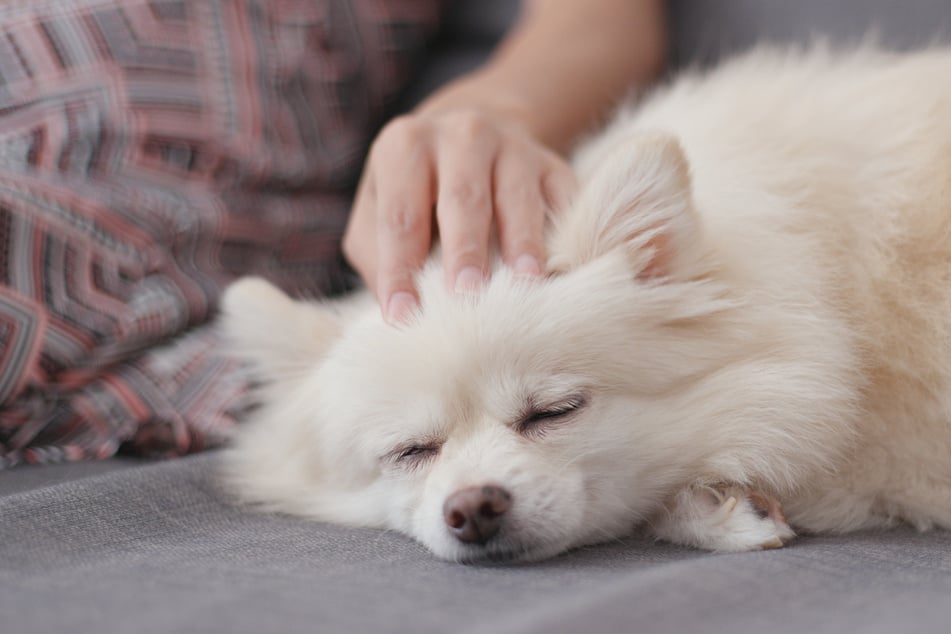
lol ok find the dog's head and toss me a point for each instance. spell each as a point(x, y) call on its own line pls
point(509, 424)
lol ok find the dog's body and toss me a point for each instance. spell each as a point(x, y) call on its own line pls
point(750, 306)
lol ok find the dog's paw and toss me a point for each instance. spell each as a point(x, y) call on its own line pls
point(723, 518)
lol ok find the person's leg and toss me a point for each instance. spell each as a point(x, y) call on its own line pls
point(151, 151)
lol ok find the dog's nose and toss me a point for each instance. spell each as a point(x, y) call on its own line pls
point(474, 514)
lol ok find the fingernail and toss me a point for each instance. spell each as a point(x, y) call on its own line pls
point(528, 266)
point(399, 307)
point(468, 279)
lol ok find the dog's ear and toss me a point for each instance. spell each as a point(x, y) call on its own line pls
point(638, 198)
point(280, 337)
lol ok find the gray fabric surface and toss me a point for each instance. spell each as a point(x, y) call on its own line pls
point(124, 546)
point(160, 549)
point(29, 477)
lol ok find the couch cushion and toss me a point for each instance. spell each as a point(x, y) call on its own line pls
point(160, 548)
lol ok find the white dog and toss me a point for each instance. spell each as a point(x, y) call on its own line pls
point(748, 319)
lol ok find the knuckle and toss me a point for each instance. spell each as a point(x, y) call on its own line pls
point(405, 127)
point(469, 124)
point(520, 193)
point(402, 219)
point(467, 196)
point(403, 132)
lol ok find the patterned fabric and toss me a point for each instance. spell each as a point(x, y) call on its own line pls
point(150, 151)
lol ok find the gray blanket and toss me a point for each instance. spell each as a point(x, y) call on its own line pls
point(159, 548)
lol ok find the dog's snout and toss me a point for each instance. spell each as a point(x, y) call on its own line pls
point(475, 514)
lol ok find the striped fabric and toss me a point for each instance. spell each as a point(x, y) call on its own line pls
point(150, 151)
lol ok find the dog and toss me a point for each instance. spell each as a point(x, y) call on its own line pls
point(745, 332)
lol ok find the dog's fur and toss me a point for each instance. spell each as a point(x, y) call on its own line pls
point(749, 305)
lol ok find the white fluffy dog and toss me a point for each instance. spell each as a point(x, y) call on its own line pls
point(748, 319)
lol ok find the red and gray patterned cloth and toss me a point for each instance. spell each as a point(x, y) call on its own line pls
point(150, 151)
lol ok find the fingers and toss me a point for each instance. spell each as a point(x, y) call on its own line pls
point(404, 228)
point(526, 192)
point(521, 208)
point(464, 202)
point(475, 170)
point(400, 202)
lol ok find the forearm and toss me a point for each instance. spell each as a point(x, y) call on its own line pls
point(565, 64)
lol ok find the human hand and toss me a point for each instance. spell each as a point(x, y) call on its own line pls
point(482, 171)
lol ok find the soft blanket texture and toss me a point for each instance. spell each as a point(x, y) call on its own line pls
point(160, 549)
point(149, 152)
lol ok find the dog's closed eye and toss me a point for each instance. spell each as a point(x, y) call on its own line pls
point(411, 456)
point(536, 419)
